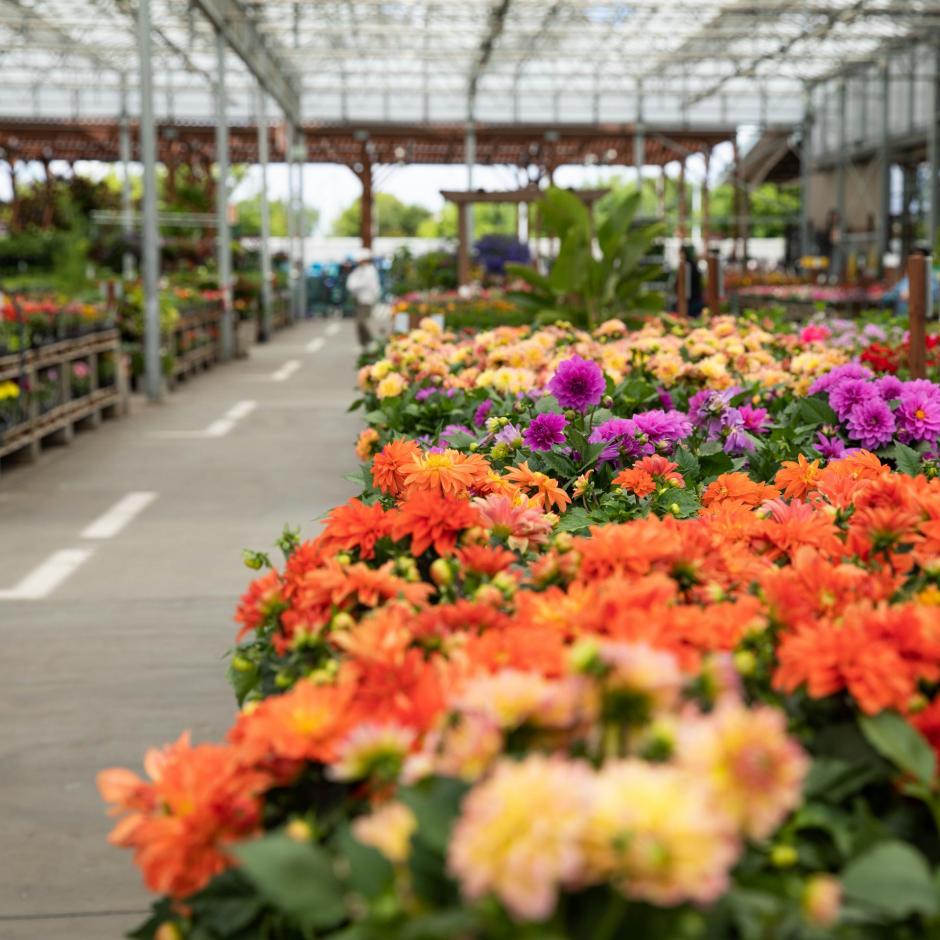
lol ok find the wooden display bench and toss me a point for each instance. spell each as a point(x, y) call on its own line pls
point(201, 356)
point(57, 425)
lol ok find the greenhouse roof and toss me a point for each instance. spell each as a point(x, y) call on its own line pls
point(691, 64)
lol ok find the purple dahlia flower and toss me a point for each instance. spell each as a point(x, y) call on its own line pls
point(851, 370)
point(546, 431)
point(871, 423)
point(577, 383)
point(918, 414)
point(830, 448)
point(483, 409)
point(846, 395)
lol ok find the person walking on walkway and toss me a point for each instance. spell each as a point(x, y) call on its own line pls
point(366, 289)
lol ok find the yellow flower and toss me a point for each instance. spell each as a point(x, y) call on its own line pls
point(388, 829)
point(391, 386)
point(746, 757)
point(380, 369)
point(519, 834)
point(9, 390)
point(653, 829)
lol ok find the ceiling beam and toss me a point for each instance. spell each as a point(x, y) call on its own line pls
point(236, 23)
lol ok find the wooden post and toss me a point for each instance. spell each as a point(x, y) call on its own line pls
point(463, 249)
point(713, 299)
point(682, 286)
point(706, 206)
point(683, 210)
point(365, 217)
point(919, 275)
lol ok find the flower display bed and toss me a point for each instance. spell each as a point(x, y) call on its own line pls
point(628, 633)
point(59, 387)
point(194, 344)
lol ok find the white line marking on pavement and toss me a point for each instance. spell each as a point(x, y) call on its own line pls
point(218, 428)
point(315, 345)
point(108, 525)
point(333, 329)
point(286, 370)
point(46, 577)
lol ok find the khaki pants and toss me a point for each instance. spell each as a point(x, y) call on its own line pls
point(363, 317)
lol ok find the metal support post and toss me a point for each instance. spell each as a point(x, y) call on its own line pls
point(470, 149)
point(127, 205)
point(884, 169)
point(153, 373)
point(301, 145)
point(807, 243)
point(933, 157)
point(291, 225)
point(224, 240)
point(266, 286)
point(840, 252)
point(639, 142)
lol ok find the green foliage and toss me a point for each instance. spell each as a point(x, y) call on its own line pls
point(249, 217)
point(584, 287)
point(296, 877)
point(488, 218)
point(394, 217)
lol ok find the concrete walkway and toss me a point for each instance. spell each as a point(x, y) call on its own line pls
point(120, 567)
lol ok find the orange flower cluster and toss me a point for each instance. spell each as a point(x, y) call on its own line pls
point(833, 570)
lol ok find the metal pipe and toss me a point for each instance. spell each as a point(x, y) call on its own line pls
point(840, 252)
point(266, 298)
point(933, 161)
point(806, 175)
point(127, 205)
point(301, 227)
point(291, 225)
point(884, 163)
point(222, 193)
point(153, 374)
point(471, 155)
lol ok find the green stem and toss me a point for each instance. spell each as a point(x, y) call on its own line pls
point(607, 928)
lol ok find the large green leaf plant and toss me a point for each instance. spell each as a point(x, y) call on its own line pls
point(584, 285)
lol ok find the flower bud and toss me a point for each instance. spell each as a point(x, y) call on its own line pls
point(342, 621)
point(283, 680)
point(299, 830)
point(563, 541)
point(344, 558)
point(242, 664)
point(822, 898)
point(585, 658)
point(783, 856)
point(745, 662)
point(168, 931)
point(675, 509)
point(607, 402)
point(252, 560)
point(441, 573)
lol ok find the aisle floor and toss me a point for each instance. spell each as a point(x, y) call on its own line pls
point(120, 566)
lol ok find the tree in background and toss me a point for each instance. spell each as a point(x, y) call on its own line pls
point(394, 217)
point(248, 219)
point(488, 219)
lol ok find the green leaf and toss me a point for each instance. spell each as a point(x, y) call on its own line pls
point(370, 872)
point(907, 459)
point(832, 779)
point(459, 439)
point(297, 878)
point(227, 905)
point(547, 403)
point(897, 740)
point(893, 880)
point(441, 925)
point(814, 412)
point(710, 448)
point(574, 520)
point(687, 462)
point(435, 803)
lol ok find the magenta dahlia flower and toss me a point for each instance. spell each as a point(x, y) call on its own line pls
point(577, 383)
point(545, 432)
